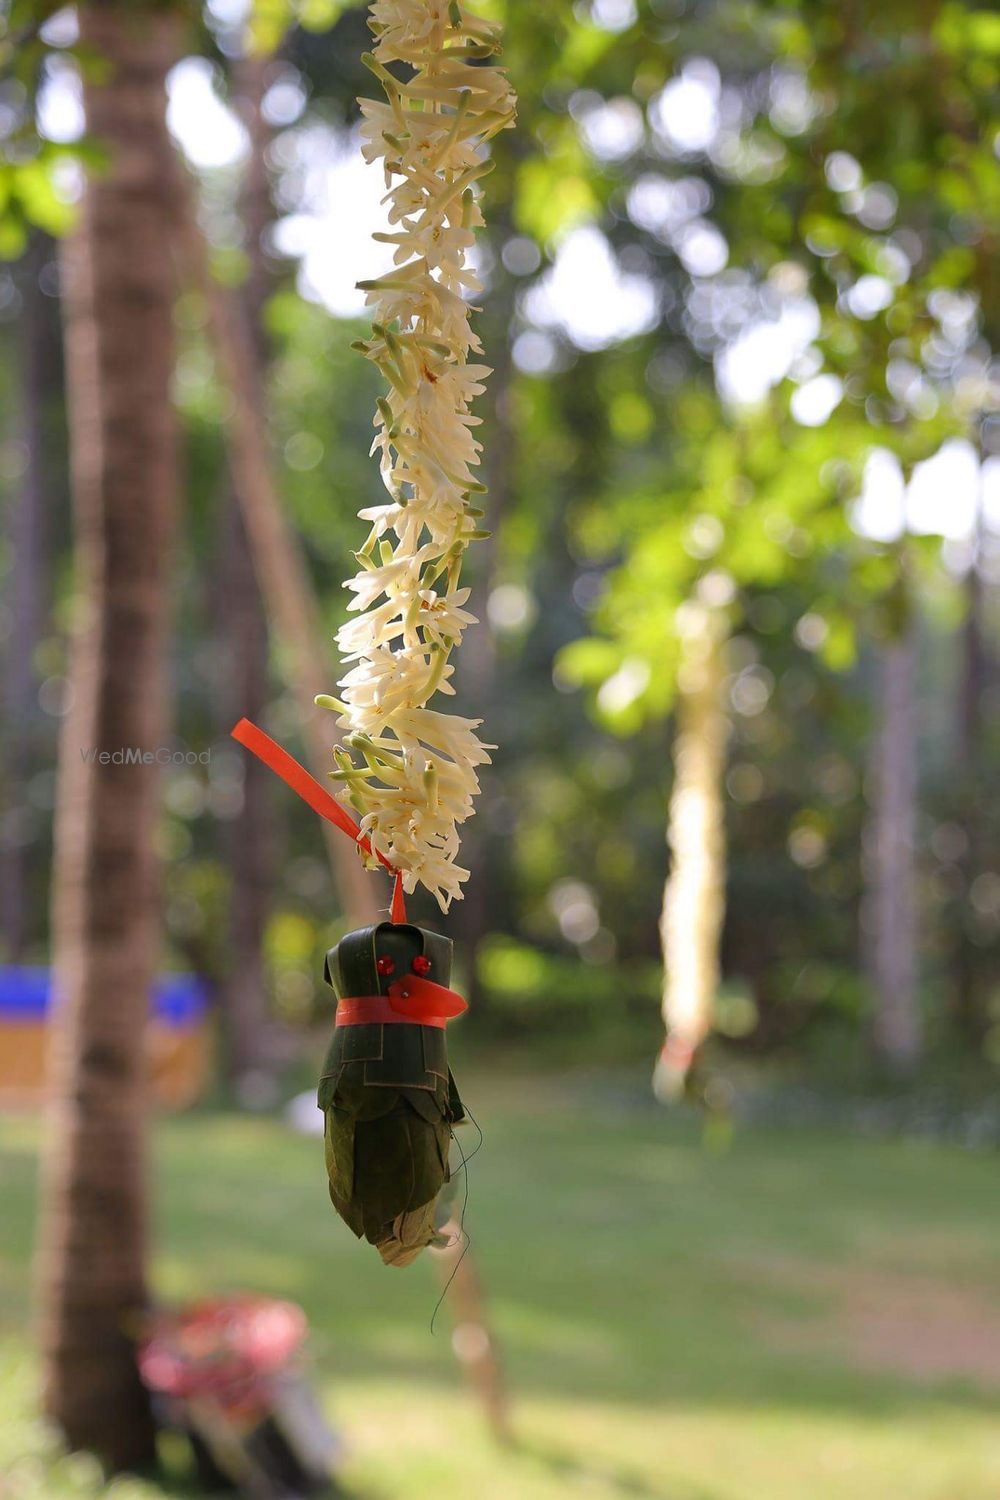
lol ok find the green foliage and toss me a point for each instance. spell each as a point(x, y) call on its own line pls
point(756, 504)
point(745, 500)
point(30, 199)
point(624, 486)
point(531, 990)
point(271, 20)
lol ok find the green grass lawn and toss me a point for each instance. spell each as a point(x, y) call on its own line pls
point(805, 1317)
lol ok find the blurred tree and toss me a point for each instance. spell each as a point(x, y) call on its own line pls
point(897, 1029)
point(480, 670)
point(243, 686)
point(900, 227)
point(32, 518)
point(760, 186)
point(742, 503)
point(970, 994)
point(106, 920)
point(279, 558)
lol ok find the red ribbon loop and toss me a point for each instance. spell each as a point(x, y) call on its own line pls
point(425, 1002)
point(319, 799)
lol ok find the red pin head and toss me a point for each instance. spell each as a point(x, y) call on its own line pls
point(421, 965)
point(384, 965)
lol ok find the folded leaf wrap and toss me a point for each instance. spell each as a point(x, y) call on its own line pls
point(387, 1095)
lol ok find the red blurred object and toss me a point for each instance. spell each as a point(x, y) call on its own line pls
point(226, 1372)
point(228, 1348)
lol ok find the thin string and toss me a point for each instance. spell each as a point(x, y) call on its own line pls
point(462, 1231)
point(462, 1234)
point(479, 1144)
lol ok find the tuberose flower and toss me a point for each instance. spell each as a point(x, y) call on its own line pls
point(409, 771)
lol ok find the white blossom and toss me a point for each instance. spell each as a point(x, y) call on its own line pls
point(409, 771)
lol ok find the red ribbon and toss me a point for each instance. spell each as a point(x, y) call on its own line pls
point(372, 1010)
point(416, 1001)
point(423, 1001)
point(319, 799)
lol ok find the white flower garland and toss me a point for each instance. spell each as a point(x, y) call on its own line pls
point(416, 776)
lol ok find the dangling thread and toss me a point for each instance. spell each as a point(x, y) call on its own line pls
point(463, 1233)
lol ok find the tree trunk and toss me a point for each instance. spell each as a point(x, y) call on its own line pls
point(278, 559)
point(249, 840)
point(486, 845)
point(39, 374)
point(891, 844)
point(968, 1008)
point(243, 691)
point(695, 892)
point(472, 1340)
point(119, 347)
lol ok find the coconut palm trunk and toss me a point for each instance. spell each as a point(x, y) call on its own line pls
point(482, 671)
point(891, 916)
point(282, 571)
point(970, 1013)
point(119, 288)
point(248, 842)
point(695, 892)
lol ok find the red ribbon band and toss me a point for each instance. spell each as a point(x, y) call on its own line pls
point(319, 799)
point(413, 1001)
point(377, 1010)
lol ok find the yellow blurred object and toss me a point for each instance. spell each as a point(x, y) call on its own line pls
point(179, 1060)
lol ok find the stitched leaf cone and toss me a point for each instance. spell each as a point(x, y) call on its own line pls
point(388, 1097)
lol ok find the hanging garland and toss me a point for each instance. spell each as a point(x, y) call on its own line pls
point(409, 771)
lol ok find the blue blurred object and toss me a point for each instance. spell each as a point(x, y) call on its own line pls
point(25, 993)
